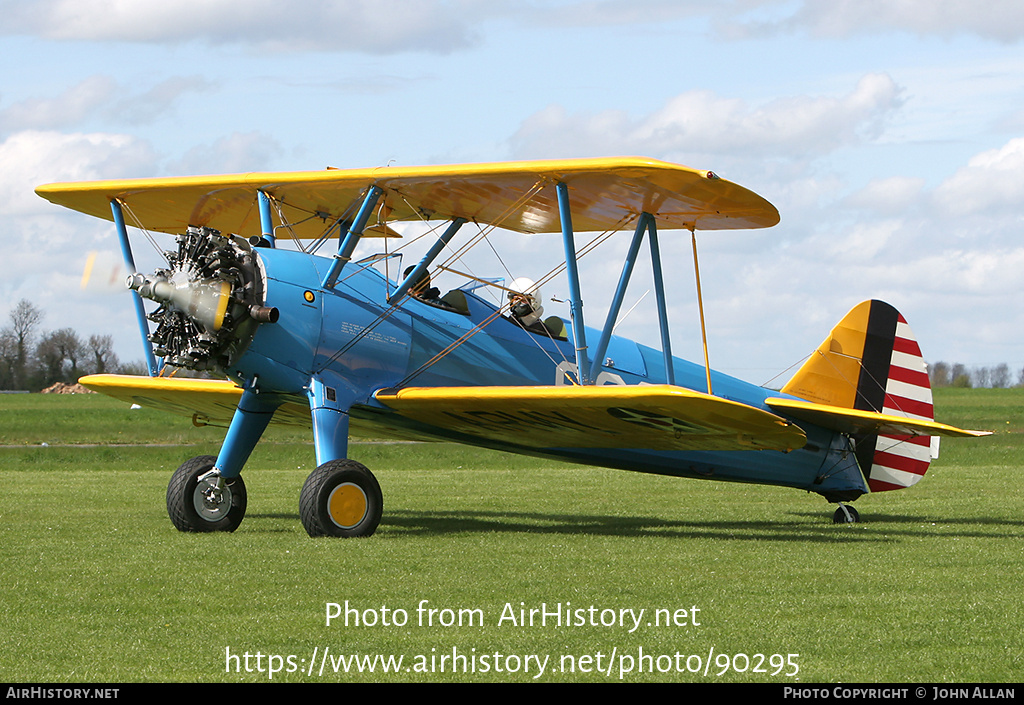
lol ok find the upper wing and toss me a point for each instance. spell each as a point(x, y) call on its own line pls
point(867, 422)
point(604, 193)
point(658, 417)
point(207, 401)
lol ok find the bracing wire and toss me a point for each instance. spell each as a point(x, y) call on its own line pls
point(137, 223)
point(483, 234)
point(555, 271)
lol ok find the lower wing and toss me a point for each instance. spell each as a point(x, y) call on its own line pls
point(207, 401)
point(657, 417)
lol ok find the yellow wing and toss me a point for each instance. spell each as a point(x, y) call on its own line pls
point(206, 401)
point(866, 422)
point(515, 196)
point(657, 417)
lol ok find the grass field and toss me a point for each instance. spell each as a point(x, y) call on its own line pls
point(96, 585)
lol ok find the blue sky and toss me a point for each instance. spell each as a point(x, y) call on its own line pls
point(890, 135)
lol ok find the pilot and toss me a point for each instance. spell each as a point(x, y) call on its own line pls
point(524, 305)
point(421, 288)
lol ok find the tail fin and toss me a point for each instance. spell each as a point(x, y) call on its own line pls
point(871, 362)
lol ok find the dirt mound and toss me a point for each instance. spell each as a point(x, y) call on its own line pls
point(64, 388)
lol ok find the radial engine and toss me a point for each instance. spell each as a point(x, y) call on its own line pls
point(211, 300)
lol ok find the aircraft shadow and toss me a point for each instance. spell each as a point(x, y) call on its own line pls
point(796, 528)
point(437, 523)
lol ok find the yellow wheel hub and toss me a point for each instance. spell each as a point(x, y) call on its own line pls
point(347, 505)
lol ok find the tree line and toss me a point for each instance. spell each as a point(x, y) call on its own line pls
point(33, 360)
point(942, 374)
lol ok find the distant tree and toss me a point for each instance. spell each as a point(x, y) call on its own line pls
point(1001, 376)
point(73, 351)
point(136, 367)
point(938, 374)
point(58, 355)
point(101, 350)
point(25, 319)
point(958, 375)
point(982, 377)
point(31, 361)
point(9, 356)
point(50, 363)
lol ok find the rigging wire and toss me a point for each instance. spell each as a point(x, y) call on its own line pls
point(586, 249)
point(386, 313)
point(137, 223)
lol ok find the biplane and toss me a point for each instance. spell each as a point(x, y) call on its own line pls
point(262, 291)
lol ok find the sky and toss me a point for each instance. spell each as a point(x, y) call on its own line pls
point(888, 133)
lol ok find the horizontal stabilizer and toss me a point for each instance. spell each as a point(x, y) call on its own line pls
point(656, 417)
point(855, 421)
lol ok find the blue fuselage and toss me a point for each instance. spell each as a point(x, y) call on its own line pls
point(350, 337)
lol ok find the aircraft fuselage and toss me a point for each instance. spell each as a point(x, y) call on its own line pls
point(349, 338)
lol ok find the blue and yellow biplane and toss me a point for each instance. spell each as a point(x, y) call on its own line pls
point(325, 341)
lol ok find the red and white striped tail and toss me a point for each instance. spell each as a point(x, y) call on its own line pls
point(901, 461)
point(870, 362)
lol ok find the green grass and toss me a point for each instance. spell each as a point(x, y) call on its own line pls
point(95, 584)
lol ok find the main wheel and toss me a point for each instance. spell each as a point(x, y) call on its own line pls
point(201, 505)
point(845, 515)
point(341, 498)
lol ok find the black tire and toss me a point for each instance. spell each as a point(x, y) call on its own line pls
point(203, 509)
point(341, 498)
point(846, 515)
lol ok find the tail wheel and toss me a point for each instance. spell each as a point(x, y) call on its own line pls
point(846, 515)
point(341, 498)
point(200, 502)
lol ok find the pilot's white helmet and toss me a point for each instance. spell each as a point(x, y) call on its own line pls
point(530, 310)
point(527, 288)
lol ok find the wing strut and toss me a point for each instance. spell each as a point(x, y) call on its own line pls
point(435, 249)
point(575, 301)
point(347, 244)
point(266, 222)
point(620, 291)
point(140, 309)
point(659, 293)
point(646, 223)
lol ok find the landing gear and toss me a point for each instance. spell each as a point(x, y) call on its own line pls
point(845, 515)
point(341, 498)
point(199, 500)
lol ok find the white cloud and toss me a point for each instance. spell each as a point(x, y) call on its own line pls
point(888, 196)
point(992, 182)
point(98, 96)
point(865, 242)
point(228, 155)
point(372, 26)
point(71, 107)
point(704, 123)
point(32, 158)
point(618, 13)
point(1001, 20)
point(157, 101)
